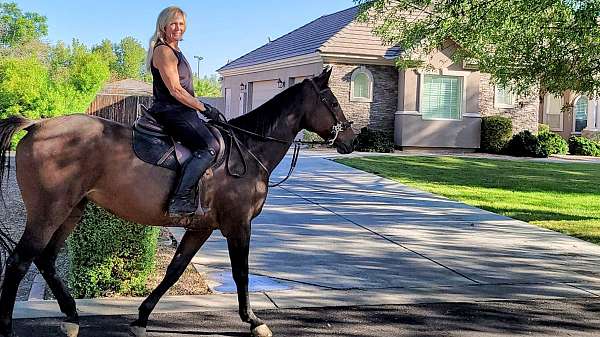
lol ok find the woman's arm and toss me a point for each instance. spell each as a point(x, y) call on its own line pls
point(166, 62)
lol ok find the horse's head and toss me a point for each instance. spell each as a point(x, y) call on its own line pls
point(326, 117)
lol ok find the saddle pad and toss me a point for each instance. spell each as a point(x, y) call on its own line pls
point(155, 150)
point(163, 152)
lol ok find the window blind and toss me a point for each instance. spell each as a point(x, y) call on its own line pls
point(442, 97)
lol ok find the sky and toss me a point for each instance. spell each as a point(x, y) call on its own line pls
point(217, 30)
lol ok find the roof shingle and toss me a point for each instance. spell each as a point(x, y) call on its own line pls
point(302, 41)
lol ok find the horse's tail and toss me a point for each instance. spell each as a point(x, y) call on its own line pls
point(8, 127)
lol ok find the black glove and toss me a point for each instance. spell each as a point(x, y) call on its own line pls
point(212, 113)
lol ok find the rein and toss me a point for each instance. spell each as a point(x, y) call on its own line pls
point(228, 128)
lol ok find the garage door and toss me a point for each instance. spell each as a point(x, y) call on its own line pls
point(263, 91)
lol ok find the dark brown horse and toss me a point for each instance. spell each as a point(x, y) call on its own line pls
point(62, 163)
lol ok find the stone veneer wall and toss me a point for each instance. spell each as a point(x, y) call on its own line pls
point(525, 118)
point(378, 114)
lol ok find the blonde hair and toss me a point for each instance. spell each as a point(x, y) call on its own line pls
point(164, 18)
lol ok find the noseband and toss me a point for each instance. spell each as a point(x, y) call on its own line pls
point(338, 126)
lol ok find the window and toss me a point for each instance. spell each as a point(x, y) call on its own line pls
point(504, 98)
point(581, 113)
point(553, 114)
point(361, 85)
point(441, 97)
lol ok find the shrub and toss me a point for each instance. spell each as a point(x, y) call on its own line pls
point(495, 133)
point(370, 140)
point(583, 146)
point(108, 255)
point(311, 137)
point(525, 144)
point(551, 142)
point(542, 128)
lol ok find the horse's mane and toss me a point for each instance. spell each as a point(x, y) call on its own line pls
point(262, 119)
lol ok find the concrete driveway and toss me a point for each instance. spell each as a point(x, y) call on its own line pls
point(333, 235)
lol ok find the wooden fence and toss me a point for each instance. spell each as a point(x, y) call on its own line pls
point(120, 108)
point(125, 109)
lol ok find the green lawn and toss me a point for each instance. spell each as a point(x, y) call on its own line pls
point(560, 196)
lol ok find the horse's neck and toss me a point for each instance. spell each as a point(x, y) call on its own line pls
point(285, 127)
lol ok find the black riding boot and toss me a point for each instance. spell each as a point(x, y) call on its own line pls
point(183, 201)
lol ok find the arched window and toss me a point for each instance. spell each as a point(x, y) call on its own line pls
point(581, 114)
point(361, 85)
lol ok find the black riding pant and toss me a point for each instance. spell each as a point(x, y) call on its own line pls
point(185, 126)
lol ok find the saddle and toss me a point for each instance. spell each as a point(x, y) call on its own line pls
point(152, 145)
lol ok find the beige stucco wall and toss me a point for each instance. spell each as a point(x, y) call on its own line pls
point(411, 130)
point(233, 82)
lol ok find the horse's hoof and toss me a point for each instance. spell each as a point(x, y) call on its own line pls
point(262, 331)
point(137, 331)
point(69, 329)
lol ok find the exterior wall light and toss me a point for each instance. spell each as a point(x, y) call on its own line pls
point(280, 83)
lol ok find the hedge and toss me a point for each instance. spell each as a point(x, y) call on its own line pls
point(110, 256)
point(583, 146)
point(525, 144)
point(551, 142)
point(495, 133)
point(369, 140)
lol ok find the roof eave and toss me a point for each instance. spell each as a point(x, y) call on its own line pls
point(272, 65)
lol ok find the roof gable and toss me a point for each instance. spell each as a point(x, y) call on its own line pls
point(357, 38)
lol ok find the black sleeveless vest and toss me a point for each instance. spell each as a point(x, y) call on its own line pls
point(160, 91)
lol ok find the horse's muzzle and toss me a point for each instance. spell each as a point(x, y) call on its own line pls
point(345, 148)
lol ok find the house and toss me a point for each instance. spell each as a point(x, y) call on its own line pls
point(580, 117)
point(420, 108)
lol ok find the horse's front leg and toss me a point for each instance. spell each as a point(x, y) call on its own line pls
point(238, 253)
point(190, 244)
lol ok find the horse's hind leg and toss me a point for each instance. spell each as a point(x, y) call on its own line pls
point(239, 247)
point(38, 233)
point(46, 264)
point(191, 242)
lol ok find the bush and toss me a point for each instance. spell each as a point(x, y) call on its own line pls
point(374, 141)
point(308, 136)
point(109, 256)
point(583, 146)
point(495, 133)
point(525, 144)
point(551, 142)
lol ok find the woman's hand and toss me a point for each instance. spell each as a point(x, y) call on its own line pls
point(212, 113)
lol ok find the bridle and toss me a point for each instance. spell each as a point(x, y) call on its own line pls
point(338, 127)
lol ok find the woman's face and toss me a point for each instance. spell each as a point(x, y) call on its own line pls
point(175, 29)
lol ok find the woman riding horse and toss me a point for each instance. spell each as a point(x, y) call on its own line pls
point(175, 107)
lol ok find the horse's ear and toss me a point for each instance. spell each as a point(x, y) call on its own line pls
point(323, 79)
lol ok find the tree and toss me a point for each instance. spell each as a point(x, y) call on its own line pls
point(17, 28)
point(130, 59)
point(106, 51)
point(523, 44)
point(207, 86)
